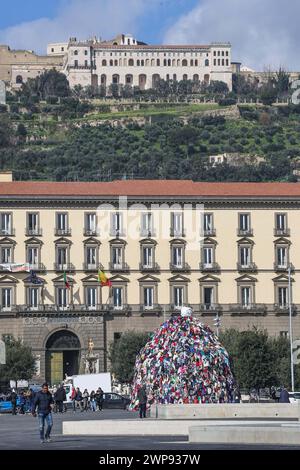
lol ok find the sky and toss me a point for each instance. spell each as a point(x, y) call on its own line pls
point(264, 33)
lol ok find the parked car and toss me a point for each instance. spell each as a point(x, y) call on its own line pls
point(6, 406)
point(116, 401)
point(294, 397)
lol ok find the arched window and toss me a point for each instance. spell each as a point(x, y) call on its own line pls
point(75, 52)
point(115, 44)
point(19, 79)
point(173, 62)
point(223, 62)
point(147, 62)
point(103, 79)
point(120, 63)
point(152, 62)
point(158, 62)
point(116, 79)
point(104, 63)
point(155, 80)
point(192, 63)
point(130, 62)
point(142, 81)
point(169, 62)
point(138, 63)
point(185, 77)
point(142, 63)
point(129, 79)
point(206, 63)
point(168, 77)
point(206, 78)
point(196, 78)
point(111, 63)
point(184, 63)
point(196, 62)
point(165, 62)
point(116, 63)
point(174, 77)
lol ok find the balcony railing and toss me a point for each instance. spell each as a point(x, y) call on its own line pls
point(117, 233)
point(120, 267)
point(54, 308)
point(245, 232)
point(93, 267)
point(148, 233)
point(284, 309)
point(33, 232)
point(4, 232)
point(64, 267)
point(90, 232)
point(149, 267)
point(212, 267)
point(210, 232)
point(177, 232)
point(282, 232)
point(183, 267)
point(155, 308)
point(124, 308)
point(210, 308)
point(38, 267)
point(283, 267)
point(12, 309)
point(257, 309)
point(82, 67)
point(63, 232)
point(250, 267)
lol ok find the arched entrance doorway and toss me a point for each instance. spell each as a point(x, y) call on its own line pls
point(62, 356)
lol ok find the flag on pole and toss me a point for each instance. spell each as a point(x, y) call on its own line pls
point(66, 281)
point(103, 279)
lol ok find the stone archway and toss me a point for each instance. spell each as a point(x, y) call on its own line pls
point(62, 356)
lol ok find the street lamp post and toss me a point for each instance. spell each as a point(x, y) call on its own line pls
point(291, 329)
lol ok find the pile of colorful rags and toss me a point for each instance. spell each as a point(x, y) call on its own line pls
point(183, 362)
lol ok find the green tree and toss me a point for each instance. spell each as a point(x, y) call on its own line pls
point(49, 83)
point(6, 132)
point(20, 363)
point(123, 354)
point(268, 93)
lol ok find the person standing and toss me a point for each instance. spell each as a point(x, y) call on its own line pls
point(13, 399)
point(59, 397)
point(99, 398)
point(78, 399)
point(22, 403)
point(142, 397)
point(43, 402)
point(73, 395)
point(93, 400)
point(284, 396)
point(85, 400)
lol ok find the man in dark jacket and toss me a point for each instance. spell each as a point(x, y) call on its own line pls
point(284, 396)
point(13, 398)
point(59, 397)
point(142, 397)
point(43, 401)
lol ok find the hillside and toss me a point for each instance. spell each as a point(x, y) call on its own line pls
point(166, 140)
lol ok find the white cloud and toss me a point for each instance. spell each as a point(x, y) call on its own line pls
point(263, 33)
point(81, 19)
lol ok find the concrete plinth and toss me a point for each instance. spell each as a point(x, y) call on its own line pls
point(272, 435)
point(227, 411)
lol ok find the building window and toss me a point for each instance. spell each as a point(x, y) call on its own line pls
point(208, 297)
point(90, 227)
point(147, 225)
point(244, 228)
point(91, 297)
point(148, 297)
point(117, 296)
point(284, 334)
point(62, 297)
point(184, 63)
point(177, 224)
point(208, 225)
point(281, 225)
point(86, 63)
point(282, 257)
point(33, 297)
point(85, 52)
point(206, 62)
point(6, 224)
point(91, 257)
point(117, 257)
point(104, 63)
point(19, 79)
point(283, 296)
point(129, 79)
point(33, 257)
point(208, 256)
point(246, 297)
point(215, 62)
point(177, 256)
point(116, 224)
point(76, 63)
point(52, 49)
point(178, 296)
point(245, 256)
point(62, 224)
point(147, 256)
point(75, 52)
point(33, 224)
point(6, 298)
point(6, 254)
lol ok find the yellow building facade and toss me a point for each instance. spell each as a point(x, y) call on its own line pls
point(226, 249)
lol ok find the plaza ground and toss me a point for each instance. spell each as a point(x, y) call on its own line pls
point(21, 432)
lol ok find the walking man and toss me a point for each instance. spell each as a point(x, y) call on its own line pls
point(142, 397)
point(43, 403)
point(14, 398)
point(60, 397)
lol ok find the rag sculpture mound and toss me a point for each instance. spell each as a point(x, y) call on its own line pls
point(183, 362)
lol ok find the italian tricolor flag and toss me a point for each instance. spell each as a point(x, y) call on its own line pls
point(66, 281)
point(103, 279)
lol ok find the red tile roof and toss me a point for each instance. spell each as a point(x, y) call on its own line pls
point(149, 188)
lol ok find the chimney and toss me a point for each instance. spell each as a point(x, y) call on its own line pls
point(6, 176)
